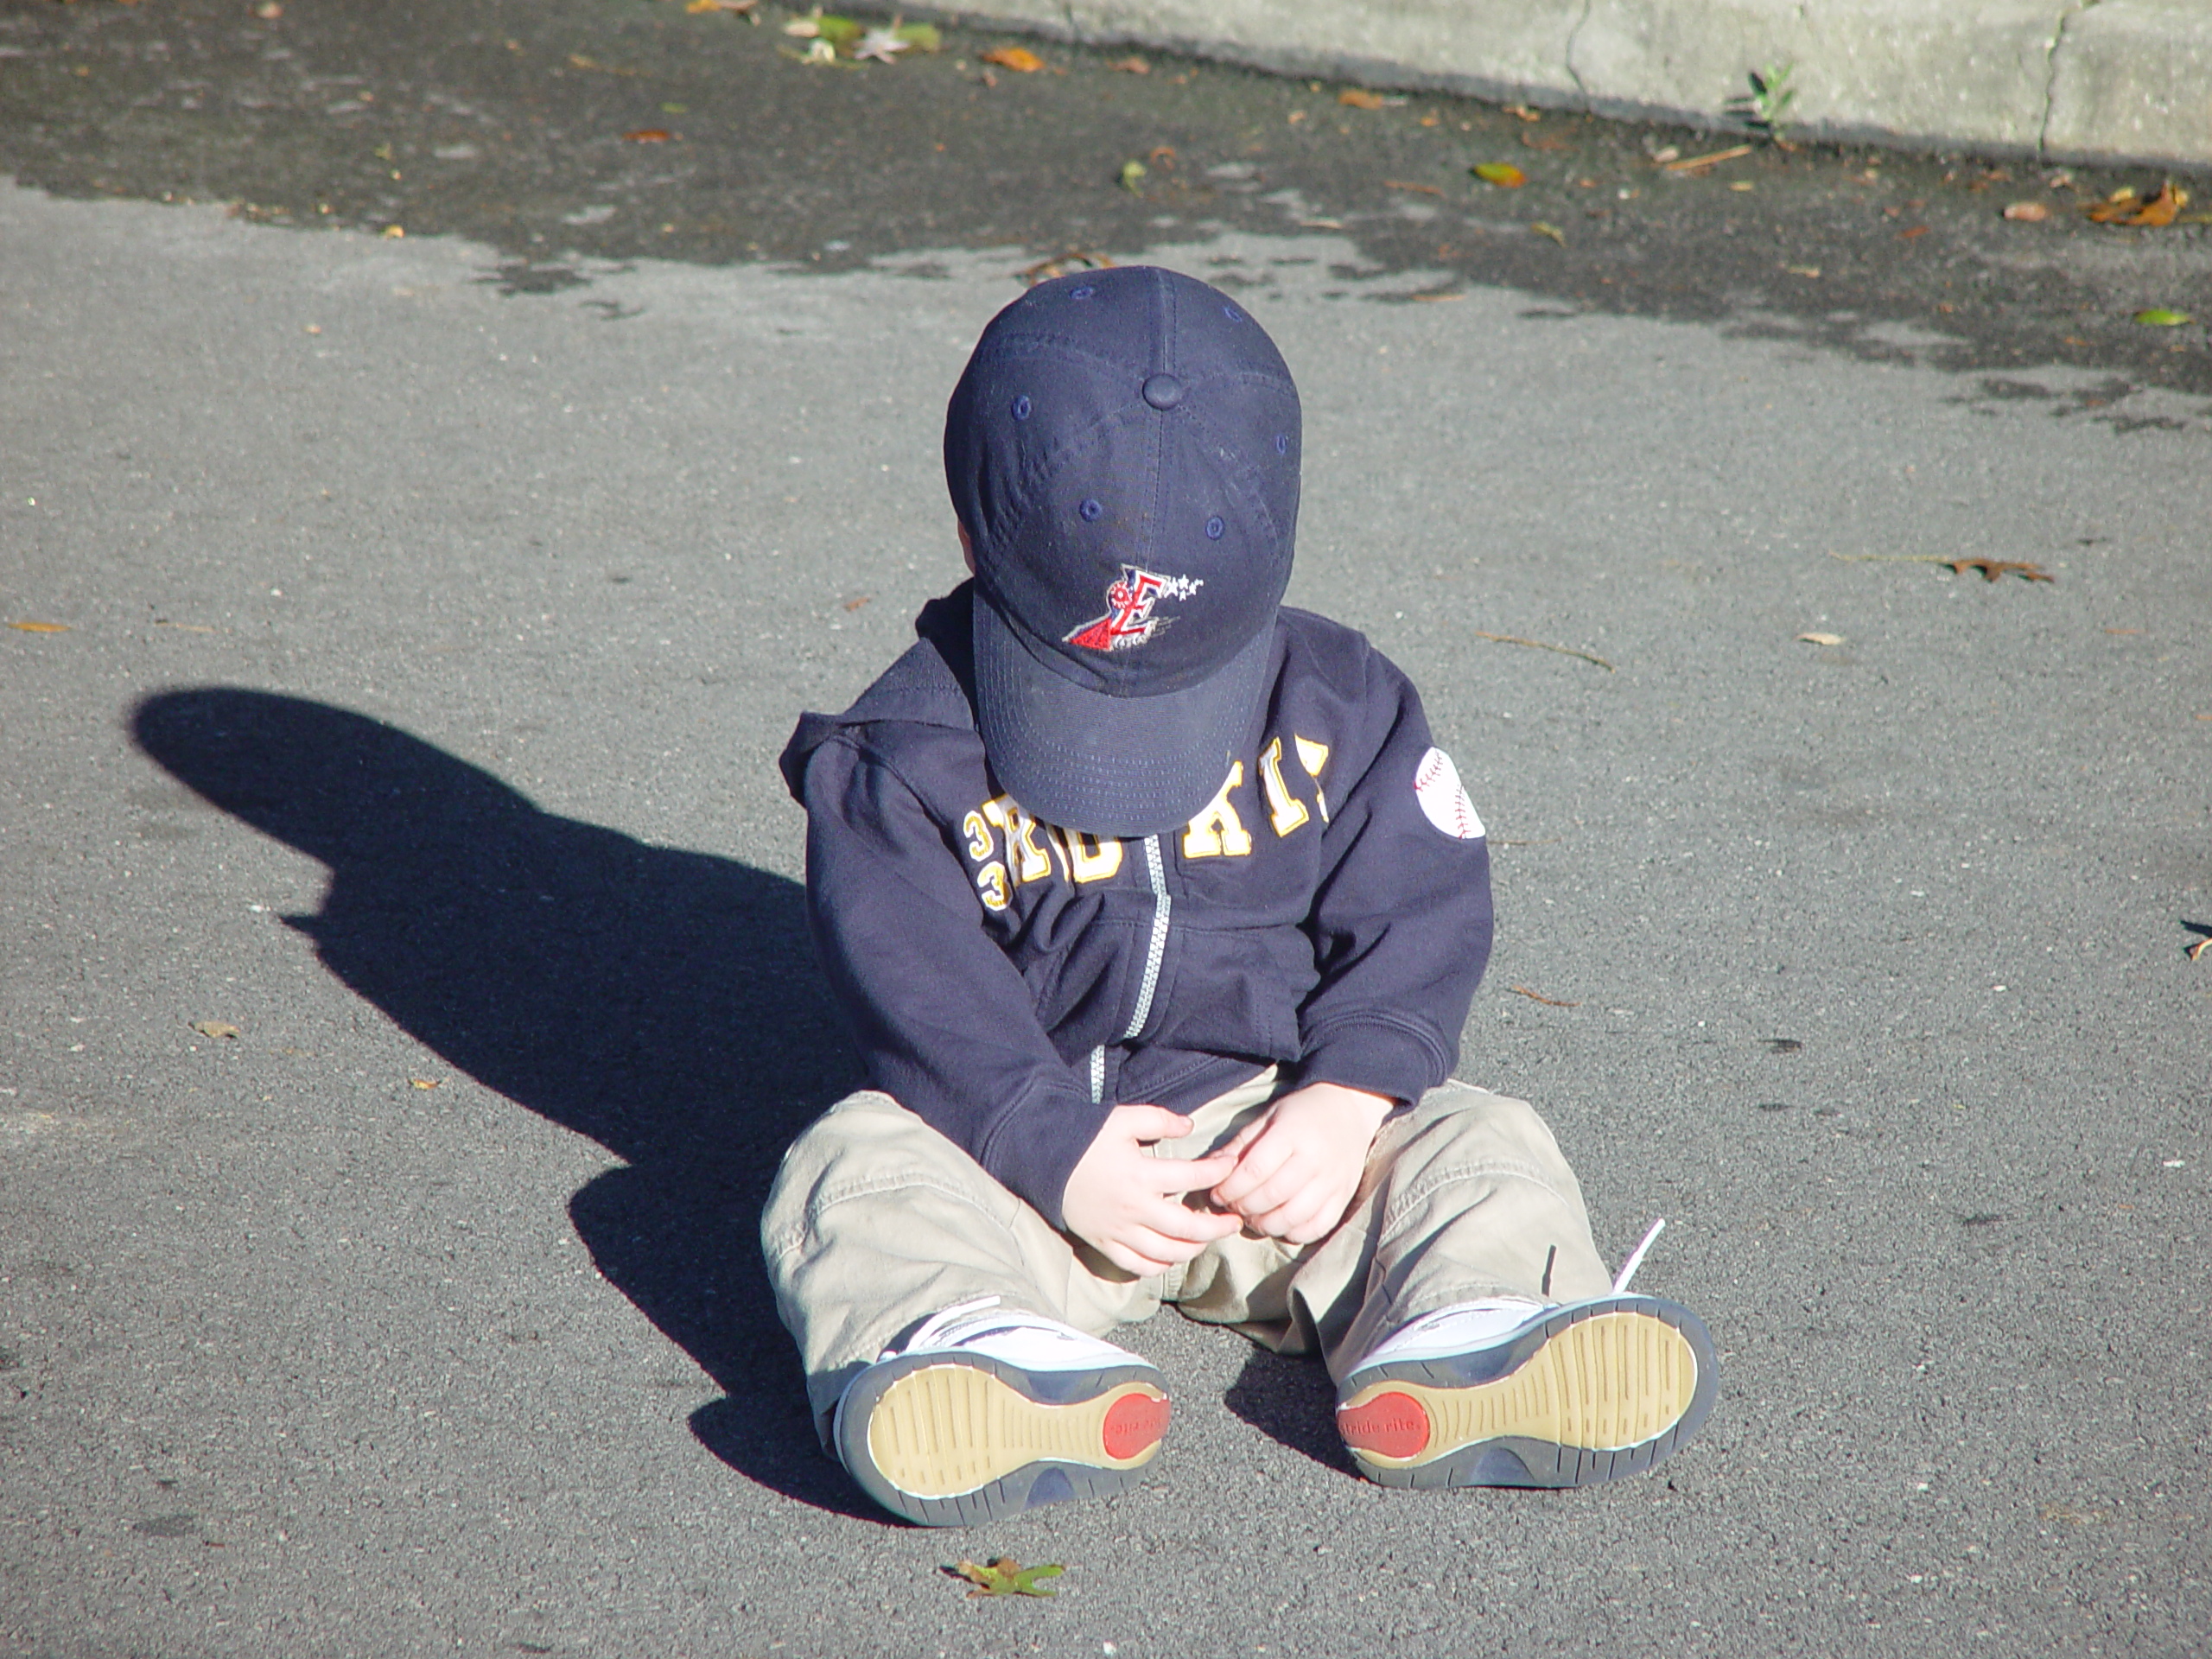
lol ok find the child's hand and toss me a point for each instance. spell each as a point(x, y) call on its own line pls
point(1299, 1163)
point(1127, 1203)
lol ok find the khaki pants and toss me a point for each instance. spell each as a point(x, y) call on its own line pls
point(876, 1220)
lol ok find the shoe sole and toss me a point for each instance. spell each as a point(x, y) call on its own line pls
point(1593, 1392)
point(949, 1442)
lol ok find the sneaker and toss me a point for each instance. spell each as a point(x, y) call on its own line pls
point(985, 1411)
point(1510, 1392)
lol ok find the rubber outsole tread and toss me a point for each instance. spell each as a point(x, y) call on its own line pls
point(1580, 1381)
point(947, 1440)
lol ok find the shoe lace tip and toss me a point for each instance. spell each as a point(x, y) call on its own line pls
point(1635, 1257)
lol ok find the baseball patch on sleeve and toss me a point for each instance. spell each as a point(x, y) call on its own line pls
point(1443, 801)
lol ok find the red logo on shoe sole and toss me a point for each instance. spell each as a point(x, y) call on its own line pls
point(1389, 1425)
point(1133, 1422)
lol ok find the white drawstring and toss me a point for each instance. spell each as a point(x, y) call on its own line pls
point(1635, 1257)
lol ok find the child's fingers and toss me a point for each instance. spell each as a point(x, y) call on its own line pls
point(1293, 1196)
point(1153, 1123)
point(1285, 1222)
point(1197, 1226)
point(1131, 1261)
point(1167, 1245)
point(1245, 1136)
point(1311, 1214)
point(1294, 1223)
point(1259, 1164)
point(1188, 1174)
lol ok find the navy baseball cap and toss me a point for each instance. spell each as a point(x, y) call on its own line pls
point(1122, 451)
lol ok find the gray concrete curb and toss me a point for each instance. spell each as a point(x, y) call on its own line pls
point(2056, 79)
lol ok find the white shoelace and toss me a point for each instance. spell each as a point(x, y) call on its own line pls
point(932, 1331)
point(1635, 1257)
point(1010, 1333)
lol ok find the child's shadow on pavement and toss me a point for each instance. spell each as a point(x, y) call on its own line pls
point(1290, 1398)
point(665, 1003)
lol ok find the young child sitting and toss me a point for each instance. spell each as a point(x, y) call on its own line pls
point(1157, 915)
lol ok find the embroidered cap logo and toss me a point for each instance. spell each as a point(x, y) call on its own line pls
point(1128, 619)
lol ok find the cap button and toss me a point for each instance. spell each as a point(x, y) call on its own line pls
point(1163, 391)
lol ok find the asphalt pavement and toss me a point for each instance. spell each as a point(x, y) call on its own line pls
point(408, 992)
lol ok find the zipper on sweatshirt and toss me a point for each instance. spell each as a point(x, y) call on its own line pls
point(1163, 907)
point(1156, 947)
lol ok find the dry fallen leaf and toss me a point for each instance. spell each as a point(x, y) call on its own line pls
point(2124, 206)
point(2031, 213)
point(1907, 236)
point(1993, 568)
point(41, 627)
point(1503, 175)
point(1131, 66)
point(1400, 184)
point(1543, 140)
point(697, 6)
point(648, 136)
point(1552, 231)
point(1061, 264)
point(1821, 638)
point(1019, 58)
point(1006, 1577)
point(222, 1028)
point(426, 1082)
point(1358, 98)
point(2159, 317)
point(1522, 112)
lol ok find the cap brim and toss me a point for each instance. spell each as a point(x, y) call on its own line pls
point(1110, 766)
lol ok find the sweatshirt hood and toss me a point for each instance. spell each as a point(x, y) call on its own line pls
point(933, 684)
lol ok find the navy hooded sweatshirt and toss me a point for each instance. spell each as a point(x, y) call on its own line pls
point(1010, 981)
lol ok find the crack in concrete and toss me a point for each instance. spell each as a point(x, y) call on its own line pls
point(1566, 57)
point(2050, 72)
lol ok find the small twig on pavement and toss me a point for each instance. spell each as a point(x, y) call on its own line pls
point(1538, 996)
point(1718, 156)
point(1538, 644)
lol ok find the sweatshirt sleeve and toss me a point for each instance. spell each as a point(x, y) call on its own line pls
point(1402, 915)
point(945, 1024)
